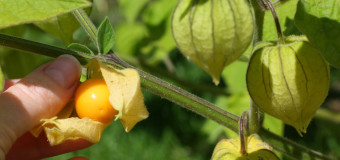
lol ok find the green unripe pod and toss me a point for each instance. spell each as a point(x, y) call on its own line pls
point(212, 33)
point(288, 81)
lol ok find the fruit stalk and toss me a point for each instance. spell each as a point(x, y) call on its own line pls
point(276, 19)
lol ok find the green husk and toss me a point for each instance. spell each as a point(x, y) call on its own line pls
point(289, 81)
point(212, 33)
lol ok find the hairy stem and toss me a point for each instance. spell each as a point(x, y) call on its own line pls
point(87, 24)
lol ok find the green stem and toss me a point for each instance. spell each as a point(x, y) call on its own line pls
point(254, 118)
point(259, 19)
point(254, 111)
point(276, 20)
point(149, 82)
point(170, 92)
point(87, 24)
point(243, 132)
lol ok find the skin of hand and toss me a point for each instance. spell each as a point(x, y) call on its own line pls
point(41, 94)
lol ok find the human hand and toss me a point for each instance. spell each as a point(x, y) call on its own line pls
point(41, 94)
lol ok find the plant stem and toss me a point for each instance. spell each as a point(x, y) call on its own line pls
point(170, 92)
point(254, 118)
point(277, 22)
point(254, 111)
point(259, 19)
point(243, 127)
point(87, 24)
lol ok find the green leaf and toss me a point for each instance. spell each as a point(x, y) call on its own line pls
point(61, 26)
point(26, 11)
point(320, 21)
point(2, 80)
point(106, 36)
point(80, 48)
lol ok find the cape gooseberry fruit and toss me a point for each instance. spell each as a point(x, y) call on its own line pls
point(288, 81)
point(212, 33)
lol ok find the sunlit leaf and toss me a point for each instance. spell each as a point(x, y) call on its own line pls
point(106, 36)
point(320, 21)
point(61, 26)
point(26, 11)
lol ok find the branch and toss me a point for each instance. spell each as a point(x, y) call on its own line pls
point(170, 92)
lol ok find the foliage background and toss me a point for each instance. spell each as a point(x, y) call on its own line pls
point(143, 38)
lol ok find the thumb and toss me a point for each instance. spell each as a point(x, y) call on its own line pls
point(41, 94)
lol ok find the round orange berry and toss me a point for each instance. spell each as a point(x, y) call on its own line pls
point(92, 101)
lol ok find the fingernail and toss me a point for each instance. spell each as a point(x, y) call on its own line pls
point(65, 70)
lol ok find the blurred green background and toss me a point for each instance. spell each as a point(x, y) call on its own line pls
point(143, 38)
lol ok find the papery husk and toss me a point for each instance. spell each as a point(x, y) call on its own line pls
point(125, 92)
point(289, 81)
point(61, 130)
point(212, 33)
point(63, 127)
point(229, 149)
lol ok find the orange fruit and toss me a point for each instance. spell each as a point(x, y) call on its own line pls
point(92, 101)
